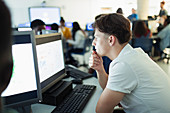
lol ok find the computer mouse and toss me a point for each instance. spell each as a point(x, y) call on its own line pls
point(77, 81)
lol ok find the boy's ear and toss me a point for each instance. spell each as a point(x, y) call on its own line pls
point(112, 40)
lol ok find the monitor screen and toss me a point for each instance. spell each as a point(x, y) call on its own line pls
point(27, 24)
point(50, 59)
point(69, 24)
point(89, 26)
point(48, 27)
point(24, 86)
point(47, 14)
point(24, 29)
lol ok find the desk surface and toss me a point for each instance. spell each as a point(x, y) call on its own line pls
point(90, 106)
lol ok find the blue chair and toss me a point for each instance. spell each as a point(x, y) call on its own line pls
point(144, 43)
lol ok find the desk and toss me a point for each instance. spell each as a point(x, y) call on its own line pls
point(90, 106)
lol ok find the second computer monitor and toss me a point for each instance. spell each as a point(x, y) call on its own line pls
point(24, 86)
point(50, 59)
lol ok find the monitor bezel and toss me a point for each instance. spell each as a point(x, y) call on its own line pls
point(40, 39)
point(39, 94)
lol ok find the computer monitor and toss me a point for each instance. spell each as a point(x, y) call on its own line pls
point(24, 29)
point(48, 27)
point(24, 86)
point(44, 31)
point(69, 24)
point(27, 24)
point(89, 26)
point(50, 59)
point(47, 14)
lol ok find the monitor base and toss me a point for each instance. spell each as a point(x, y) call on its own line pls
point(57, 93)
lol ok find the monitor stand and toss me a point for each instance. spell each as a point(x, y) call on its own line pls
point(56, 94)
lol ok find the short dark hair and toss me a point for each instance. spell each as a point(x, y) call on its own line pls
point(114, 24)
point(98, 16)
point(54, 26)
point(62, 20)
point(119, 10)
point(36, 23)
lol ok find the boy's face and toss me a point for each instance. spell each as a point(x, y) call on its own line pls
point(101, 43)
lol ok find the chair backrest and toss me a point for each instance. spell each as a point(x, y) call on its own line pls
point(143, 42)
point(87, 44)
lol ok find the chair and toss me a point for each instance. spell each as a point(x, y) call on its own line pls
point(87, 48)
point(144, 43)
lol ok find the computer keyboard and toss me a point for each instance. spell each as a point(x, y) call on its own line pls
point(76, 73)
point(76, 100)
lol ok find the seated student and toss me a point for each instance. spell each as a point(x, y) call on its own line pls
point(78, 41)
point(141, 30)
point(163, 40)
point(135, 81)
point(141, 35)
point(164, 36)
point(64, 30)
point(6, 62)
point(38, 25)
point(66, 34)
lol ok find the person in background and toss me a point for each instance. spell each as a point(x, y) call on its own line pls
point(78, 41)
point(54, 26)
point(64, 30)
point(119, 10)
point(135, 80)
point(164, 35)
point(133, 16)
point(164, 40)
point(38, 25)
point(141, 30)
point(141, 35)
point(163, 12)
point(6, 62)
point(162, 16)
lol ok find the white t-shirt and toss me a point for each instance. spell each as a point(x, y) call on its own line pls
point(145, 84)
point(79, 40)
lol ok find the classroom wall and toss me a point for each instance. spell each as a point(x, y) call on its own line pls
point(82, 11)
point(19, 10)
